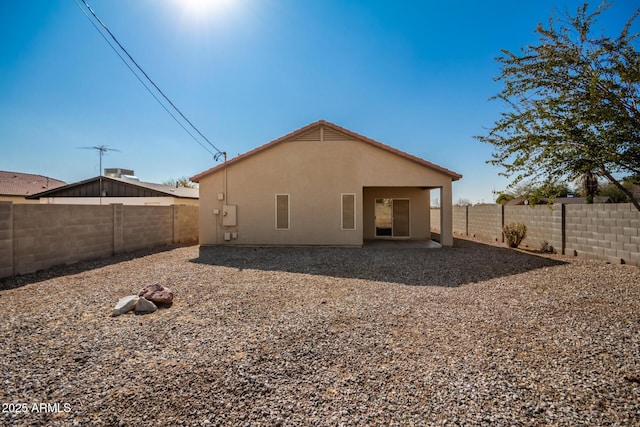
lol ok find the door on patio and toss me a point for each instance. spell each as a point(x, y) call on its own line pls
point(392, 217)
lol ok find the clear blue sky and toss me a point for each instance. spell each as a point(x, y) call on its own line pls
point(415, 75)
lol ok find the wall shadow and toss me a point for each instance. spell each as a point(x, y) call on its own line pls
point(465, 262)
point(19, 280)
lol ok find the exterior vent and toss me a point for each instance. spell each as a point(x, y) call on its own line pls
point(312, 135)
point(332, 135)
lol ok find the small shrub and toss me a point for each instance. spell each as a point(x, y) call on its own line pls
point(514, 233)
point(547, 248)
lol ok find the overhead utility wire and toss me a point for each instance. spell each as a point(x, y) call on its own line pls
point(143, 83)
point(218, 151)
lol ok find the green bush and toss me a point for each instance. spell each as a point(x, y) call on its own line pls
point(514, 233)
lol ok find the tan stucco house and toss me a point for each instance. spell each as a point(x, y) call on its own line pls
point(322, 185)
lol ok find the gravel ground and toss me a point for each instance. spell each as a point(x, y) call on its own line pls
point(470, 335)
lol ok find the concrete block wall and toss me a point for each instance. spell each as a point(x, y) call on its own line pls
point(6, 239)
point(610, 232)
point(460, 220)
point(539, 222)
point(144, 227)
point(485, 222)
point(185, 224)
point(46, 235)
point(38, 236)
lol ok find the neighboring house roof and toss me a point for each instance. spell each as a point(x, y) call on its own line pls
point(560, 200)
point(25, 184)
point(454, 176)
point(118, 187)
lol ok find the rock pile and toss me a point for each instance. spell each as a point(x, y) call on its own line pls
point(146, 301)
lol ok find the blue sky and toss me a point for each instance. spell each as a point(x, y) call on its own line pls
point(415, 75)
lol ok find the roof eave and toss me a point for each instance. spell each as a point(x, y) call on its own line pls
point(454, 176)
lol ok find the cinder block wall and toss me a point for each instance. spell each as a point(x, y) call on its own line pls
point(485, 222)
point(609, 232)
point(144, 227)
point(6, 239)
point(539, 222)
point(185, 220)
point(34, 237)
point(460, 222)
point(46, 235)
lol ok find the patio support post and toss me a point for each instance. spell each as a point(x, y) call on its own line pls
point(446, 215)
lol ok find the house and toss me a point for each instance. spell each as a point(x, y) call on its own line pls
point(16, 186)
point(127, 190)
point(322, 185)
point(559, 200)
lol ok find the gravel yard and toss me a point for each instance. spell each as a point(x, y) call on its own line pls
point(470, 335)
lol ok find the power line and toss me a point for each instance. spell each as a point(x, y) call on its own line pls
point(218, 152)
point(143, 83)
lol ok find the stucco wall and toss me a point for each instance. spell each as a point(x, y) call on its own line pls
point(34, 237)
point(314, 173)
point(17, 199)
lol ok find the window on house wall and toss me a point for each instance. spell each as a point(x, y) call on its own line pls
point(282, 211)
point(348, 211)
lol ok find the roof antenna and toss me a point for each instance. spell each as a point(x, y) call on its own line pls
point(102, 149)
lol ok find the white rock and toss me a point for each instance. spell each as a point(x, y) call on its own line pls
point(145, 306)
point(125, 305)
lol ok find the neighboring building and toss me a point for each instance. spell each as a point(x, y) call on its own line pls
point(118, 190)
point(120, 173)
point(322, 185)
point(16, 186)
point(559, 200)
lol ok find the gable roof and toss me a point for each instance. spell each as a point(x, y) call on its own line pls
point(454, 176)
point(125, 188)
point(25, 184)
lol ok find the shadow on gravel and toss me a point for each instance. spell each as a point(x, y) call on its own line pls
point(20, 280)
point(466, 262)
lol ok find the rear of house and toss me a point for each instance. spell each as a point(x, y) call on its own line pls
point(321, 185)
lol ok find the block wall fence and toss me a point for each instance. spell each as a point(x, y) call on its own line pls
point(35, 237)
point(609, 232)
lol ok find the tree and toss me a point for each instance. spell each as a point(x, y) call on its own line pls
point(535, 192)
point(181, 182)
point(573, 104)
point(504, 198)
point(613, 193)
point(589, 184)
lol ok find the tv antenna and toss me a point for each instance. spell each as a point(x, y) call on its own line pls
point(102, 149)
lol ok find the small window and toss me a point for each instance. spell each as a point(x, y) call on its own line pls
point(348, 211)
point(282, 211)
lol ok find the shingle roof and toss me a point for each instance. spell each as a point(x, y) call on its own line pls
point(454, 176)
point(25, 184)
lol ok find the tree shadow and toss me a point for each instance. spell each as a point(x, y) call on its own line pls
point(466, 262)
point(19, 280)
